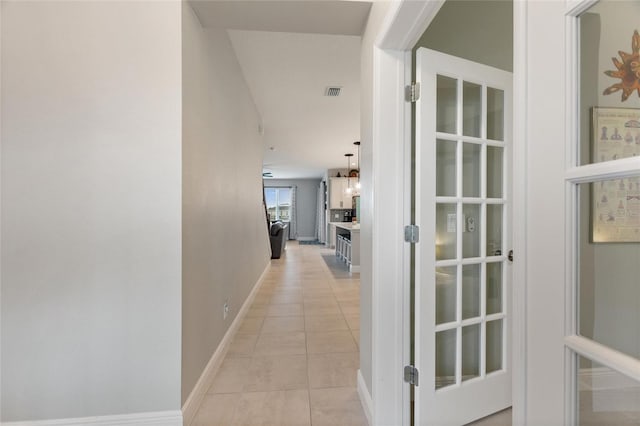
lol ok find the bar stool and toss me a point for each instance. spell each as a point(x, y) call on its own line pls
point(339, 246)
point(348, 252)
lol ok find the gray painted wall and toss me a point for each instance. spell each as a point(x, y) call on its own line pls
point(478, 30)
point(225, 241)
point(610, 295)
point(90, 208)
point(307, 203)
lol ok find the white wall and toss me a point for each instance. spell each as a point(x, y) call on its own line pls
point(545, 198)
point(307, 204)
point(225, 240)
point(91, 95)
point(376, 16)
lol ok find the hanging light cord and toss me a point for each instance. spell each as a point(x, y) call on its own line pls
point(357, 143)
point(349, 155)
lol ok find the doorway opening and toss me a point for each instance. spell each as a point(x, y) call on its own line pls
point(460, 291)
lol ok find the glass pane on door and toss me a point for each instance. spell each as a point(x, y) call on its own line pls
point(608, 95)
point(446, 104)
point(494, 171)
point(605, 397)
point(494, 229)
point(472, 230)
point(471, 169)
point(471, 109)
point(446, 231)
point(470, 352)
point(445, 358)
point(446, 294)
point(470, 291)
point(446, 168)
point(495, 114)
point(609, 263)
point(607, 216)
point(494, 288)
point(494, 346)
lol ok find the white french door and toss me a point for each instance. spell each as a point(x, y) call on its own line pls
point(463, 209)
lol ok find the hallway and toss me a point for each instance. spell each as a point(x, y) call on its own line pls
point(295, 357)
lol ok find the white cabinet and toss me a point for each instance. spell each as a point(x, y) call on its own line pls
point(338, 196)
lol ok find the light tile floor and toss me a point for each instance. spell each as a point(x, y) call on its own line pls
point(295, 357)
point(501, 418)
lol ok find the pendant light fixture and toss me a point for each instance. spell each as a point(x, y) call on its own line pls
point(357, 143)
point(348, 190)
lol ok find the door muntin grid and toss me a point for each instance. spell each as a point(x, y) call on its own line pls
point(470, 321)
point(602, 262)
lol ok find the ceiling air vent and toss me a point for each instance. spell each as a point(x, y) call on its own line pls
point(333, 91)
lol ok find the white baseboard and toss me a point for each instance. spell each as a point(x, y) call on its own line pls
point(365, 398)
point(161, 418)
point(203, 384)
point(306, 238)
point(353, 268)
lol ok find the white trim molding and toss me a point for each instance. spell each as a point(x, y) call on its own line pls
point(406, 23)
point(403, 26)
point(365, 398)
point(391, 131)
point(160, 418)
point(519, 237)
point(196, 396)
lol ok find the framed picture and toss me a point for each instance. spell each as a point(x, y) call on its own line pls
point(616, 203)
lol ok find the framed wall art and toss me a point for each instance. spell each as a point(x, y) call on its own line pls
point(616, 203)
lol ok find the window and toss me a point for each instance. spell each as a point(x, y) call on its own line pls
point(278, 203)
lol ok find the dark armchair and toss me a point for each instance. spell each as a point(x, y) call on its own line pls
point(278, 238)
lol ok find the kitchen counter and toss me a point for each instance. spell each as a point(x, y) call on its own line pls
point(354, 234)
point(331, 231)
point(349, 226)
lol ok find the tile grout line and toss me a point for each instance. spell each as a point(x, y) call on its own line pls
point(301, 276)
point(306, 346)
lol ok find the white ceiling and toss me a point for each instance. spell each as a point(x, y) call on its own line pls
point(289, 52)
point(288, 16)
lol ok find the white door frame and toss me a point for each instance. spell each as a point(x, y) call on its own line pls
point(405, 22)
